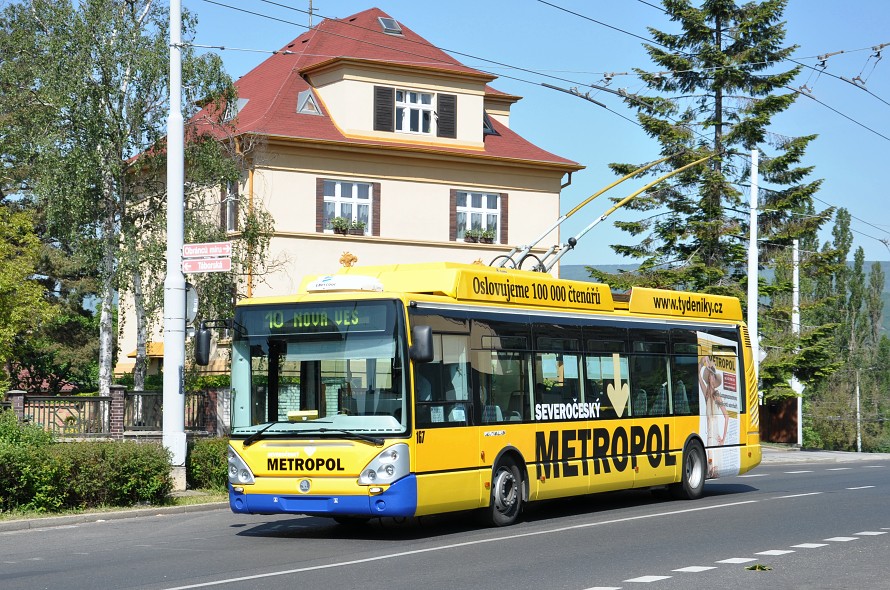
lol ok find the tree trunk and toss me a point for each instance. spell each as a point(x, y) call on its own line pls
point(106, 324)
point(141, 333)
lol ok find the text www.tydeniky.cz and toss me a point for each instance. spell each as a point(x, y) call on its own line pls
point(689, 305)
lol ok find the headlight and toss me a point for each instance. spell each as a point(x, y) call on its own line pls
point(239, 472)
point(387, 467)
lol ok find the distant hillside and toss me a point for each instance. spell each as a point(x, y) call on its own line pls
point(578, 272)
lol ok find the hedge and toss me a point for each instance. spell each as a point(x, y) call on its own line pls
point(206, 464)
point(45, 476)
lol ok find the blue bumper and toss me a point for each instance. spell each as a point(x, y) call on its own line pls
point(399, 500)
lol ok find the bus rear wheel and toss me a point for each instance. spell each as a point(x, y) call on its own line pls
point(692, 482)
point(506, 494)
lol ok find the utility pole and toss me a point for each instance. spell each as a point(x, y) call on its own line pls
point(174, 282)
point(858, 417)
point(796, 385)
point(753, 292)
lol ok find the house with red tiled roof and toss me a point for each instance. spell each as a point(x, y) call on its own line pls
point(362, 121)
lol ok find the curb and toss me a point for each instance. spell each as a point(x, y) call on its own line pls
point(73, 519)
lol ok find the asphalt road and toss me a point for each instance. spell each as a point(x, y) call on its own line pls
point(816, 520)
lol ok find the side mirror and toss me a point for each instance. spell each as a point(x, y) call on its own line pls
point(421, 344)
point(202, 346)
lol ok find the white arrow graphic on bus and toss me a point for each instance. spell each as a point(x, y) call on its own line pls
point(618, 392)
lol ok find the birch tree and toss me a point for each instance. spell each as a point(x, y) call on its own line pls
point(88, 85)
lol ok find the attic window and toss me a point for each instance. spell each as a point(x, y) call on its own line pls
point(487, 127)
point(390, 26)
point(306, 103)
point(233, 108)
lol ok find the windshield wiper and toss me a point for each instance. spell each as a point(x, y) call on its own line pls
point(259, 433)
point(375, 440)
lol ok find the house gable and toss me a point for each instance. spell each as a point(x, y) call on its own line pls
point(344, 60)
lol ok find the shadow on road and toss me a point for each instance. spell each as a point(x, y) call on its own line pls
point(609, 505)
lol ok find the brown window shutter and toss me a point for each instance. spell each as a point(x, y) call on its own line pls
point(319, 205)
point(452, 216)
point(376, 204)
point(446, 111)
point(384, 108)
point(504, 217)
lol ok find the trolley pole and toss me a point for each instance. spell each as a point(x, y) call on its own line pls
point(174, 282)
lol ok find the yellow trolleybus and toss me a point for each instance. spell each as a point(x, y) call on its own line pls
point(411, 390)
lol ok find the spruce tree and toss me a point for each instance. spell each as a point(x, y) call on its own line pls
point(715, 87)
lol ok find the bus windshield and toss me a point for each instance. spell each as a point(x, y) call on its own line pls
point(319, 369)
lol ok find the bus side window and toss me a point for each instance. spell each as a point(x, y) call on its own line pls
point(685, 395)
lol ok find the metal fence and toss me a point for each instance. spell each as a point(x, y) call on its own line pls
point(65, 415)
point(144, 410)
point(82, 416)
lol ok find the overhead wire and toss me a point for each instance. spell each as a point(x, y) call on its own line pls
point(623, 95)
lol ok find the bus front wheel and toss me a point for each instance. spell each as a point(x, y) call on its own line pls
point(506, 494)
point(692, 482)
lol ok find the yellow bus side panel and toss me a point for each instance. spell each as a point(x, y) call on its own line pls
point(446, 461)
point(448, 492)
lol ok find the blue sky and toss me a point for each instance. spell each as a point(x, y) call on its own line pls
point(850, 154)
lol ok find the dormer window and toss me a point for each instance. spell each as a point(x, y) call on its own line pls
point(487, 127)
point(390, 26)
point(403, 110)
point(414, 111)
point(233, 108)
point(306, 104)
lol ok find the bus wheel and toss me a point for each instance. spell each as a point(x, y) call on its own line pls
point(351, 520)
point(692, 483)
point(506, 494)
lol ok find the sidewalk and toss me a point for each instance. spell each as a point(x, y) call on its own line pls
point(777, 454)
point(773, 454)
point(74, 519)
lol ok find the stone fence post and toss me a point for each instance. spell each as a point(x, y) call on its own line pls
point(17, 398)
point(118, 395)
point(210, 412)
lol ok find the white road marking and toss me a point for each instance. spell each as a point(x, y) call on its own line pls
point(775, 552)
point(810, 545)
point(871, 533)
point(456, 545)
point(694, 569)
point(841, 539)
point(737, 560)
point(838, 468)
point(802, 471)
point(755, 475)
point(861, 488)
point(648, 579)
point(797, 495)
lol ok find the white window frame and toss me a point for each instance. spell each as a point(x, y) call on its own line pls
point(353, 201)
point(482, 210)
point(408, 104)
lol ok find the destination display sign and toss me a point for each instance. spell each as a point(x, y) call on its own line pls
point(315, 318)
